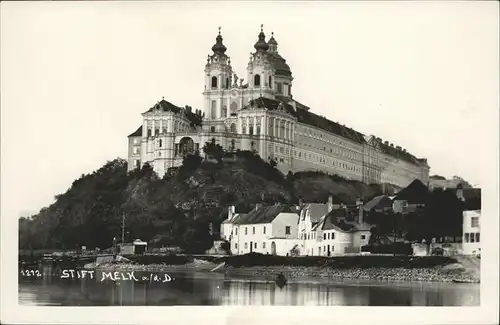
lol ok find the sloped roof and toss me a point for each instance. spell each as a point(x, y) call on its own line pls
point(136, 133)
point(306, 117)
point(415, 193)
point(343, 219)
point(378, 203)
point(167, 106)
point(400, 154)
point(316, 210)
point(262, 214)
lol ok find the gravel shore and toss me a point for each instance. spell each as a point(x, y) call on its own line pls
point(448, 273)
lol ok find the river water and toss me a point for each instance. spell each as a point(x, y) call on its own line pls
point(205, 288)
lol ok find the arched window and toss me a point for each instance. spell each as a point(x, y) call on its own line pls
point(256, 80)
point(224, 111)
point(227, 83)
point(149, 132)
point(212, 129)
point(270, 82)
point(258, 129)
point(214, 82)
point(244, 129)
point(276, 129)
point(232, 145)
point(233, 128)
point(160, 143)
point(252, 145)
point(270, 129)
point(165, 130)
point(175, 126)
point(157, 131)
point(282, 126)
point(250, 129)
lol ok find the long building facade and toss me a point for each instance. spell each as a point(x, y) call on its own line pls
point(261, 115)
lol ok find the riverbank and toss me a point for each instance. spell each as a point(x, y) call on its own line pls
point(391, 268)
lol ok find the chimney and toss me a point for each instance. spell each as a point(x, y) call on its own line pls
point(386, 143)
point(392, 145)
point(398, 147)
point(230, 212)
point(330, 203)
point(460, 193)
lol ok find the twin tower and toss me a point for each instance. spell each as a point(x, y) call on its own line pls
point(268, 75)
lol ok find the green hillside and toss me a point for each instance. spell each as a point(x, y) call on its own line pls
point(182, 208)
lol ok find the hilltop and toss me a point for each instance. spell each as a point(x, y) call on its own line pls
point(183, 208)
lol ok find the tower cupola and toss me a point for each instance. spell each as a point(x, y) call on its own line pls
point(273, 45)
point(218, 47)
point(261, 44)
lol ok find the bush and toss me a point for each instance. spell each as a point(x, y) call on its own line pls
point(393, 248)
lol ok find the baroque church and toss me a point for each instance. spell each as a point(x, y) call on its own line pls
point(262, 115)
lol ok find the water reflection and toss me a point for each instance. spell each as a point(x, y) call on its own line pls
point(192, 288)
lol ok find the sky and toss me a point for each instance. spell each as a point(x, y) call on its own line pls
point(75, 77)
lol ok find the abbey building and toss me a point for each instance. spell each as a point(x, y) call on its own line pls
point(261, 114)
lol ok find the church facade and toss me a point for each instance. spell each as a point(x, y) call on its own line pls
point(261, 115)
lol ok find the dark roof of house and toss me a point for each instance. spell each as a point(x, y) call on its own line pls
point(262, 214)
point(306, 117)
point(380, 202)
point(415, 193)
point(343, 219)
point(166, 106)
point(136, 133)
point(316, 211)
point(400, 154)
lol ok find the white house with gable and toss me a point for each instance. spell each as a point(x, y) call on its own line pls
point(265, 229)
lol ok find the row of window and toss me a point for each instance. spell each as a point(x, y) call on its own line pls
point(325, 161)
point(336, 150)
point(471, 237)
point(287, 230)
point(247, 244)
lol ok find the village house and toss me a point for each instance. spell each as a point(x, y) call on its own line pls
point(341, 231)
point(411, 198)
point(265, 229)
point(471, 199)
point(471, 232)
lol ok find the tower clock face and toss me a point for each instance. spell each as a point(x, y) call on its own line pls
point(216, 59)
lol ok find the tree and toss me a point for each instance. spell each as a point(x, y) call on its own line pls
point(273, 162)
point(190, 163)
point(212, 149)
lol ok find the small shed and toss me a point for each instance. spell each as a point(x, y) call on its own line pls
point(135, 248)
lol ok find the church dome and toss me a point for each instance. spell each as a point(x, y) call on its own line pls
point(279, 64)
